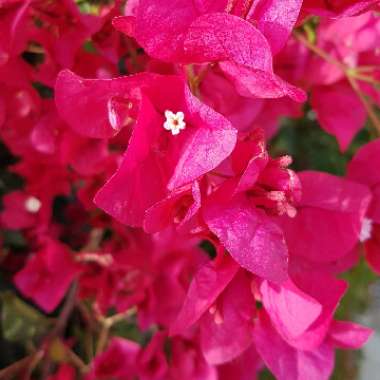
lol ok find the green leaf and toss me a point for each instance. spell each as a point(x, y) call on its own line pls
point(20, 321)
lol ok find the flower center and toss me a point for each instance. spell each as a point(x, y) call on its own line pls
point(174, 122)
point(33, 205)
point(366, 230)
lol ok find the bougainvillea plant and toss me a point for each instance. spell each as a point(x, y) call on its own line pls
point(188, 187)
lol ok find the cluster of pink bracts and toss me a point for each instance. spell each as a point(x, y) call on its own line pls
point(174, 152)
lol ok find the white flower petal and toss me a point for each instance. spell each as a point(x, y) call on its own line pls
point(169, 114)
point(366, 230)
point(168, 125)
point(180, 116)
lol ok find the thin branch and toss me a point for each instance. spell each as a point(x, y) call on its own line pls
point(315, 49)
point(107, 323)
point(25, 363)
point(351, 74)
point(367, 105)
point(59, 326)
point(103, 339)
point(65, 313)
point(76, 360)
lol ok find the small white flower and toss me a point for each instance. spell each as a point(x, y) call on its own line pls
point(311, 115)
point(366, 230)
point(33, 205)
point(174, 122)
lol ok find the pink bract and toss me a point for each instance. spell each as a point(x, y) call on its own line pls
point(204, 35)
point(362, 169)
point(119, 360)
point(326, 228)
point(47, 276)
point(157, 160)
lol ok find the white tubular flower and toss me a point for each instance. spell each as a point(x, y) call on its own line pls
point(174, 122)
point(366, 230)
point(33, 205)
